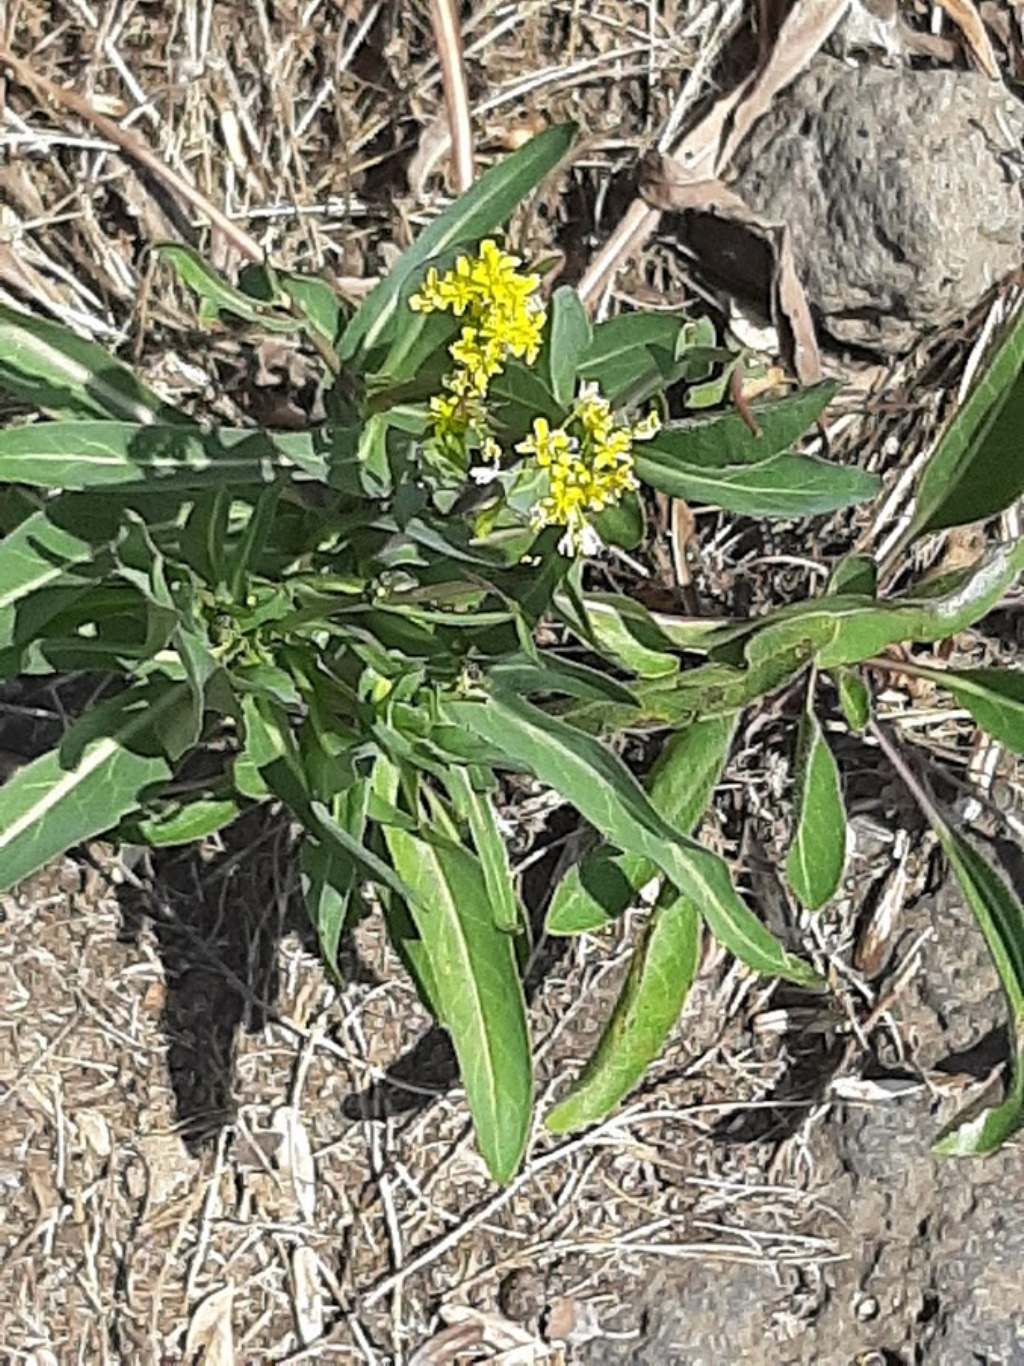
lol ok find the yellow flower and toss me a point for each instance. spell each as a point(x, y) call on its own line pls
point(503, 319)
point(545, 445)
point(590, 467)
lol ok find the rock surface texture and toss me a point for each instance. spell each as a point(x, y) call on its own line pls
point(901, 191)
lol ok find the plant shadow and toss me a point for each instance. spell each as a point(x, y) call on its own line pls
point(217, 921)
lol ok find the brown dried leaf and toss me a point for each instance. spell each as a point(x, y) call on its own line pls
point(964, 14)
point(667, 185)
point(209, 1333)
point(308, 1300)
point(445, 1347)
point(807, 26)
point(295, 1157)
point(434, 142)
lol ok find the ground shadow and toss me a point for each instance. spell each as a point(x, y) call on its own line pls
point(218, 921)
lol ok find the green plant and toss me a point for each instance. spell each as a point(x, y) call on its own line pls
point(344, 620)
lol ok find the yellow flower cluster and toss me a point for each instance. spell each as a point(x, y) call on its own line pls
point(590, 466)
point(503, 317)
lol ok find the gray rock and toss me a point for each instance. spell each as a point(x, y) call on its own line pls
point(900, 190)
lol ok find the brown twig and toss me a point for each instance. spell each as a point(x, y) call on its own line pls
point(740, 400)
point(444, 19)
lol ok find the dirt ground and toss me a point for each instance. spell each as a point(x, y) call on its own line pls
point(209, 1151)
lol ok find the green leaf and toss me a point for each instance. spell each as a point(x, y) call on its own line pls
point(661, 973)
point(630, 351)
point(607, 795)
point(725, 439)
point(216, 294)
point(317, 302)
point(38, 554)
point(1000, 916)
point(861, 629)
point(89, 455)
point(253, 539)
point(994, 697)
point(84, 787)
point(782, 486)
point(568, 338)
point(622, 629)
point(855, 574)
point(480, 997)
point(817, 856)
point(854, 698)
point(680, 786)
point(484, 207)
point(49, 367)
point(187, 822)
point(329, 875)
point(975, 470)
point(622, 523)
point(477, 810)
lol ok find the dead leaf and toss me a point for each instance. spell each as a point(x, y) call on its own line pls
point(572, 1321)
point(964, 14)
point(446, 1346)
point(209, 1332)
point(807, 26)
point(434, 142)
point(667, 185)
point(294, 1157)
point(683, 526)
point(505, 1342)
point(308, 1300)
point(704, 153)
point(94, 1131)
point(868, 1090)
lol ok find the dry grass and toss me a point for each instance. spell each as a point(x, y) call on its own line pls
point(198, 1127)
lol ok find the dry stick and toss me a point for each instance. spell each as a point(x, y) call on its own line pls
point(444, 20)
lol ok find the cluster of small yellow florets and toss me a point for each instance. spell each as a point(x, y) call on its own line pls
point(589, 462)
point(503, 318)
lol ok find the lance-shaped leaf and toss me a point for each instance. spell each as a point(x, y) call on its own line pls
point(817, 855)
point(38, 554)
point(783, 486)
point(975, 471)
point(680, 785)
point(725, 439)
point(479, 994)
point(630, 352)
point(484, 207)
point(185, 822)
point(86, 785)
point(607, 795)
point(471, 979)
point(567, 340)
point(1000, 915)
point(661, 973)
point(91, 455)
point(50, 367)
point(329, 874)
point(477, 809)
point(854, 698)
point(217, 295)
